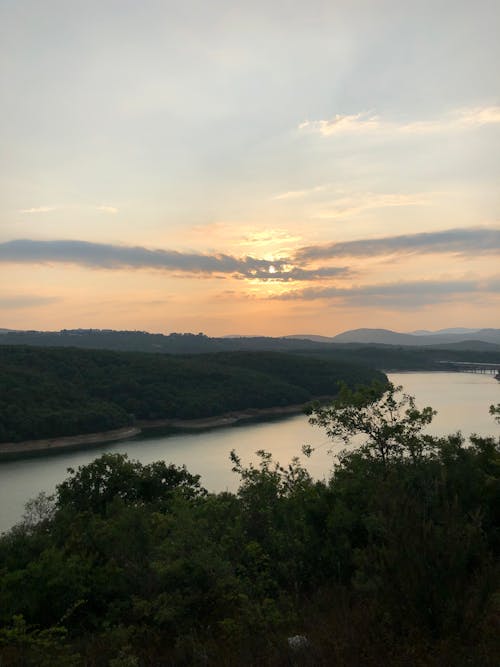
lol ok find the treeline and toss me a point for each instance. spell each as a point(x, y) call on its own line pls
point(403, 358)
point(50, 392)
point(385, 357)
point(393, 561)
point(125, 341)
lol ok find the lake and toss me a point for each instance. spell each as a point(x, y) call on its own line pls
point(461, 399)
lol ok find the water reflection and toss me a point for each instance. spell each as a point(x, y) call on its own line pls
point(462, 401)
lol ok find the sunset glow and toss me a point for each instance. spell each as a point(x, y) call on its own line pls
point(249, 169)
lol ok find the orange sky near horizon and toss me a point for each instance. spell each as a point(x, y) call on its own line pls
point(249, 169)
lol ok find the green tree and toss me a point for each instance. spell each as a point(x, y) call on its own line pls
point(113, 476)
point(495, 412)
point(21, 644)
point(387, 417)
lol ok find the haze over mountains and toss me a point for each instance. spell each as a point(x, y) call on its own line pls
point(388, 337)
point(459, 338)
point(452, 336)
point(452, 330)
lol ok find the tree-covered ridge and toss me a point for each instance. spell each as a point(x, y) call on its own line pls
point(380, 356)
point(50, 392)
point(392, 561)
point(398, 358)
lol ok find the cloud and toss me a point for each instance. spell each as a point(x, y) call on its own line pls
point(107, 209)
point(397, 294)
point(47, 209)
point(339, 124)
point(350, 205)
point(299, 194)
point(266, 236)
point(479, 116)
point(25, 301)
point(473, 241)
point(39, 209)
point(301, 267)
point(288, 273)
point(108, 256)
point(461, 119)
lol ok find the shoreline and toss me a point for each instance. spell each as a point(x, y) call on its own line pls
point(227, 419)
point(12, 451)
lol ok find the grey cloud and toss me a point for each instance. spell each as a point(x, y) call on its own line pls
point(411, 292)
point(462, 241)
point(109, 256)
point(297, 273)
point(25, 301)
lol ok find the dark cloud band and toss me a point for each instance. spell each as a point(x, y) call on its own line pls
point(410, 293)
point(461, 241)
point(25, 301)
point(109, 256)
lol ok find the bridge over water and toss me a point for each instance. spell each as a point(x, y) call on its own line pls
point(474, 367)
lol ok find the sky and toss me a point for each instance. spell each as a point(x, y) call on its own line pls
point(273, 168)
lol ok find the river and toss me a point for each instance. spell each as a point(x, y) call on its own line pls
point(461, 399)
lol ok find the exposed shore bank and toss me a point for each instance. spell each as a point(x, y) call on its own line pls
point(10, 451)
point(227, 419)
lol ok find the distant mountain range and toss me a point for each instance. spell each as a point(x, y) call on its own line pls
point(176, 343)
point(388, 337)
point(453, 330)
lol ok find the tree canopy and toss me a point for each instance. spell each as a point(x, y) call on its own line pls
point(51, 392)
point(387, 418)
point(392, 560)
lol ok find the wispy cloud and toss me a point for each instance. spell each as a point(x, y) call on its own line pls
point(364, 122)
point(268, 237)
point(346, 206)
point(400, 294)
point(107, 209)
point(459, 120)
point(471, 241)
point(343, 124)
point(25, 301)
point(242, 235)
point(299, 194)
point(298, 267)
point(39, 209)
point(109, 256)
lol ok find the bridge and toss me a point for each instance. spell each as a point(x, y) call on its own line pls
point(474, 367)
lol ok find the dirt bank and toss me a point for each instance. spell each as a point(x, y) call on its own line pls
point(228, 419)
point(16, 450)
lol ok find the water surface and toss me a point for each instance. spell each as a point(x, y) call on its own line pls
point(462, 401)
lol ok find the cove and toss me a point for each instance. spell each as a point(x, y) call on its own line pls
point(461, 399)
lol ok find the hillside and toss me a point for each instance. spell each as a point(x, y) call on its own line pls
point(143, 341)
point(50, 392)
point(387, 337)
point(189, 343)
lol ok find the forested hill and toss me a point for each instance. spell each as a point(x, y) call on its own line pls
point(143, 341)
point(381, 356)
point(50, 392)
point(402, 358)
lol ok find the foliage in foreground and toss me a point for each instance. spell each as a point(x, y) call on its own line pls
point(393, 561)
